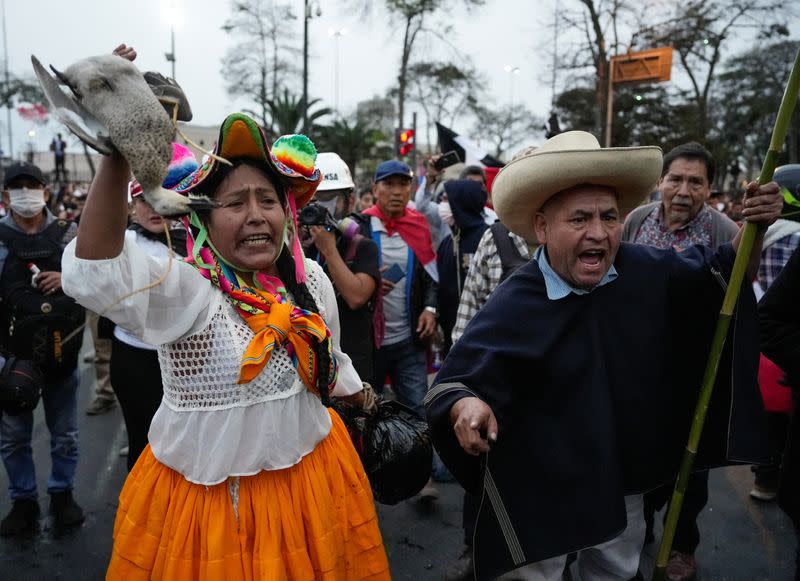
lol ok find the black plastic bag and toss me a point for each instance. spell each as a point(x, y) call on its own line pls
point(395, 449)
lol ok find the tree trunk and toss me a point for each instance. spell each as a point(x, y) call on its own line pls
point(401, 78)
point(263, 99)
point(601, 111)
point(602, 68)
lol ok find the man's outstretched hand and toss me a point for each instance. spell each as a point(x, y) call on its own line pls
point(474, 424)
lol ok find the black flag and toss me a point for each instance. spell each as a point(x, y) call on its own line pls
point(468, 151)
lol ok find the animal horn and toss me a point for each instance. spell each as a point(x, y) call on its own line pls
point(65, 81)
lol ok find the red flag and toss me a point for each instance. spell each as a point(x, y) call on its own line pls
point(35, 112)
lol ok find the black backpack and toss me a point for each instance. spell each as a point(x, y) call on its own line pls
point(510, 258)
point(33, 325)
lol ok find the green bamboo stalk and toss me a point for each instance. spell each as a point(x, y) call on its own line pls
point(743, 256)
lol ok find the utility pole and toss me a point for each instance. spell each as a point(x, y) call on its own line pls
point(172, 48)
point(555, 58)
point(171, 16)
point(7, 85)
point(306, 16)
point(414, 150)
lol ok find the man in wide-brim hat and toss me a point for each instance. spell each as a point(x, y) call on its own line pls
point(558, 404)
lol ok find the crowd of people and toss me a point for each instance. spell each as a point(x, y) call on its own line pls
point(573, 318)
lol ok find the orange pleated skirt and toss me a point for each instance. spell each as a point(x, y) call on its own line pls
point(313, 521)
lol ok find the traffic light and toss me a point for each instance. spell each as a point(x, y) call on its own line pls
point(405, 141)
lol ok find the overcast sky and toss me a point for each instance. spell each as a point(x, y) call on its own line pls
point(59, 32)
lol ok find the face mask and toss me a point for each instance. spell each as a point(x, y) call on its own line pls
point(27, 203)
point(330, 205)
point(445, 213)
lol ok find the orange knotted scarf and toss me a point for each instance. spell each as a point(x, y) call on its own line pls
point(279, 323)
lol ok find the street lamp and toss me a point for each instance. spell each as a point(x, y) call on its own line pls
point(171, 14)
point(513, 71)
point(7, 82)
point(310, 8)
point(31, 145)
point(336, 33)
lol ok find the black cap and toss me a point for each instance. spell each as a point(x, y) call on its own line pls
point(23, 169)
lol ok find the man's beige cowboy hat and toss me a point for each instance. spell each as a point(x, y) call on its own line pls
point(566, 160)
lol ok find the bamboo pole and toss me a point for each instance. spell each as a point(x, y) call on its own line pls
point(718, 343)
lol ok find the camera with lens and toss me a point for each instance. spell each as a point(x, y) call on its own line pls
point(315, 214)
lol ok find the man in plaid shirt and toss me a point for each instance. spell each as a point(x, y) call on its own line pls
point(485, 273)
point(776, 254)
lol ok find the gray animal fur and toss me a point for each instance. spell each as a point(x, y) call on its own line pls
point(115, 92)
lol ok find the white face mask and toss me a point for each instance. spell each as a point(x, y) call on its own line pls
point(27, 203)
point(445, 213)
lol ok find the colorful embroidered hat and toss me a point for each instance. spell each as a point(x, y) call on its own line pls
point(182, 165)
point(291, 157)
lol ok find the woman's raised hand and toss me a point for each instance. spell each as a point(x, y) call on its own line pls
point(125, 51)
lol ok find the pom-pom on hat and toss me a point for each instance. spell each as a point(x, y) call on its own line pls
point(182, 165)
point(291, 158)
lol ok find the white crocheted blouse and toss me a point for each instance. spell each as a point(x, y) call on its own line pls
point(207, 427)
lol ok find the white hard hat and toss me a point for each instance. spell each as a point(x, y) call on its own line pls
point(335, 173)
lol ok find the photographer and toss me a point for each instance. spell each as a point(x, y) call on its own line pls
point(349, 259)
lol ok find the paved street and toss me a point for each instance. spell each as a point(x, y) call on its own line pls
point(742, 540)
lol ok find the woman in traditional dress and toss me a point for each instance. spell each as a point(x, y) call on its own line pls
point(247, 474)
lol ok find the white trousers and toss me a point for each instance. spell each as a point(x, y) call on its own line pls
point(615, 560)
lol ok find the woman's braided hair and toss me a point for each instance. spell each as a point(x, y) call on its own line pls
point(284, 263)
point(305, 300)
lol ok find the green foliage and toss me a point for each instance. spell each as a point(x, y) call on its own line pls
point(356, 141)
point(747, 98)
point(742, 111)
point(700, 31)
point(378, 112)
point(443, 89)
point(414, 14)
point(576, 108)
point(286, 111)
point(507, 127)
point(20, 90)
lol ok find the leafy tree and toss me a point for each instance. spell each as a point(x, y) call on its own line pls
point(506, 127)
point(699, 31)
point(286, 112)
point(378, 112)
point(413, 15)
point(576, 108)
point(598, 23)
point(644, 114)
point(746, 102)
point(443, 90)
point(257, 65)
point(22, 90)
point(354, 141)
